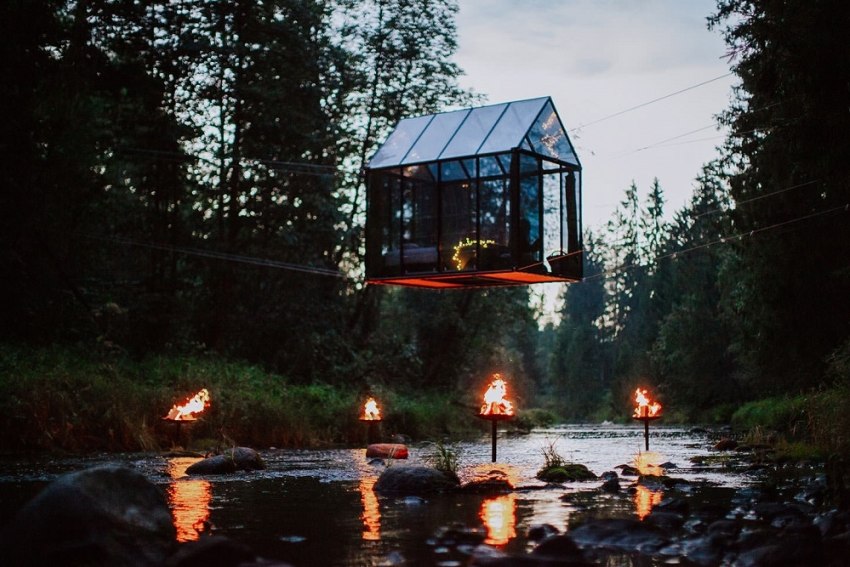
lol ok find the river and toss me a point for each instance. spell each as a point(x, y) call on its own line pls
point(317, 507)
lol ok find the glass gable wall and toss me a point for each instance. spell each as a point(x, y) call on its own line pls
point(477, 197)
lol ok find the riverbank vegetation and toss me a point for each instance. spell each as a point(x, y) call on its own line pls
point(166, 229)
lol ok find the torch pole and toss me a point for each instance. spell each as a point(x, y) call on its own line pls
point(493, 434)
point(646, 433)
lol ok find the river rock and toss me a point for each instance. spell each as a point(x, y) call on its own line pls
point(570, 472)
point(496, 482)
point(232, 460)
point(539, 532)
point(618, 534)
point(107, 515)
point(726, 444)
point(386, 451)
point(414, 481)
point(560, 548)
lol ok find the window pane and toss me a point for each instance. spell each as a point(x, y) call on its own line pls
point(399, 142)
point(458, 233)
point(529, 212)
point(452, 171)
point(512, 126)
point(473, 131)
point(489, 167)
point(549, 138)
point(436, 137)
point(495, 225)
point(552, 214)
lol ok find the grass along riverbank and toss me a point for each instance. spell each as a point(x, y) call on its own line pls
point(66, 399)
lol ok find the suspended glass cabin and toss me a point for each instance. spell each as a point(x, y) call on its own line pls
point(487, 196)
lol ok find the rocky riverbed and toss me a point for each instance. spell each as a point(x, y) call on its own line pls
point(684, 502)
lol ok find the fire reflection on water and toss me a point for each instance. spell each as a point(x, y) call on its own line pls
point(645, 499)
point(189, 500)
point(499, 517)
point(498, 513)
point(371, 511)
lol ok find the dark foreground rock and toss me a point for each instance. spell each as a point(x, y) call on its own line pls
point(108, 515)
point(414, 481)
point(230, 461)
point(105, 516)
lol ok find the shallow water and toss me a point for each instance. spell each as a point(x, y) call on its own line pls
point(317, 507)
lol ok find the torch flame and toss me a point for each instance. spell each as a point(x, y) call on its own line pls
point(371, 412)
point(645, 407)
point(198, 403)
point(494, 399)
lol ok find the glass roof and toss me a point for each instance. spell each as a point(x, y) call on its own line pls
point(531, 124)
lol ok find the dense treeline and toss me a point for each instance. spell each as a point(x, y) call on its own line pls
point(184, 179)
point(746, 293)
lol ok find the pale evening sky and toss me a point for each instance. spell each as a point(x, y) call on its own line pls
point(597, 58)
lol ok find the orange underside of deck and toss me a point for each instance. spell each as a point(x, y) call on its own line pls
point(466, 280)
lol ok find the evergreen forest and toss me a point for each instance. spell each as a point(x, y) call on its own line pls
point(183, 206)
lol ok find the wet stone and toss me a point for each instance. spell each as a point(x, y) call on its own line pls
point(539, 532)
point(230, 461)
point(414, 481)
point(618, 534)
point(561, 548)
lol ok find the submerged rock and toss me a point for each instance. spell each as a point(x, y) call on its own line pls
point(619, 534)
point(414, 481)
point(565, 473)
point(232, 460)
point(560, 548)
point(107, 515)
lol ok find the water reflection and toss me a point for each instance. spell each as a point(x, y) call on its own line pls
point(499, 517)
point(498, 513)
point(371, 512)
point(645, 499)
point(647, 463)
point(189, 500)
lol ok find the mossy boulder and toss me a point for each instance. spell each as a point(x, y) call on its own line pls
point(567, 472)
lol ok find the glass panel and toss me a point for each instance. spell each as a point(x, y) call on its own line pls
point(495, 225)
point(382, 252)
point(458, 245)
point(530, 203)
point(419, 227)
point(421, 172)
point(473, 131)
point(513, 125)
point(435, 137)
point(452, 171)
point(490, 167)
point(549, 138)
point(552, 201)
point(399, 142)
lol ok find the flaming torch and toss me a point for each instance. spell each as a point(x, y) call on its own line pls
point(187, 412)
point(646, 410)
point(496, 407)
point(372, 415)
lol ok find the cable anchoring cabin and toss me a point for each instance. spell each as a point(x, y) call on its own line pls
point(486, 196)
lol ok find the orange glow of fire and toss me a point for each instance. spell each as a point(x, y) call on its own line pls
point(371, 511)
point(645, 407)
point(186, 412)
point(499, 517)
point(371, 411)
point(189, 500)
point(645, 499)
point(495, 402)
